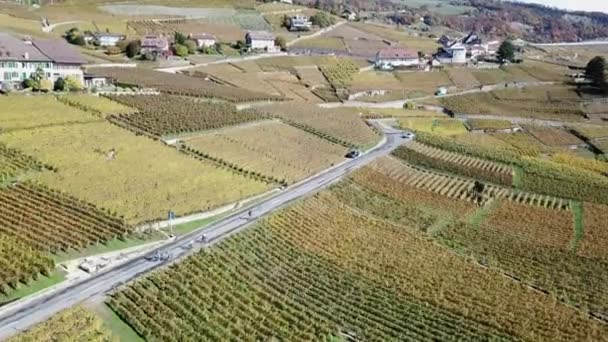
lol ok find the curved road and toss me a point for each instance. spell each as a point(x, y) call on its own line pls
point(24, 316)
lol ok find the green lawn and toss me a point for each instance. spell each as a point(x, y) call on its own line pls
point(185, 228)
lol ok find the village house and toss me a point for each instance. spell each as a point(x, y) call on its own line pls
point(299, 23)
point(20, 58)
point(349, 15)
point(462, 50)
point(108, 39)
point(396, 57)
point(203, 39)
point(158, 45)
point(260, 40)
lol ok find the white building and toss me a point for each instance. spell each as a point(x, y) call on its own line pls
point(300, 23)
point(261, 40)
point(19, 59)
point(108, 39)
point(66, 61)
point(396, 57)
point(203, 39)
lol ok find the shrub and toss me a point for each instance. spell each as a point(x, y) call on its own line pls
point(191, 46)
point(72, 83)
point(180, 50)
point(59, 84)
point(133, 48)
point(113, 50)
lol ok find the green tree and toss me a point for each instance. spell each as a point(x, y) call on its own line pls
point(506, 51)
point(59, 84)
point(133, 48)
point(180, 38)
point(191, 46)
point(596, 72)
point(180, 50)
point(322, 19)
point(281, 42)
point(286, 22)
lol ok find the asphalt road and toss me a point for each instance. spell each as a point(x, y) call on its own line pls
point(22, 317)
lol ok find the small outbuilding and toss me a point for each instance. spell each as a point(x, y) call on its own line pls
point(203, 39)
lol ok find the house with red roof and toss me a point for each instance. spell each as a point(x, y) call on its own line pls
point(157, 45)
point(396, 57)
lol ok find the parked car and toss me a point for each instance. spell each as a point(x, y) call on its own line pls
point(352, 154)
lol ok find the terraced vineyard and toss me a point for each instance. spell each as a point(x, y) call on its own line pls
point(319, 270)
point(75, 324)
point(552, 136)
point(341, 125)
point(488, 124)
point(24, 112)
point(460, 188)
point(541, 248)
point(178, 84)
point(528, 103)
point(550, 244)
point(434, 158)
point(157, 176)
point(95, 104)
point(274, 149)
point(537, 174)
point(339, 72)
point(13, 163)
point(20, 264)
point(50, 221)
point(169, 115)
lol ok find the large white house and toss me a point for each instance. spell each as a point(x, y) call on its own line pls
point(20, 58)
point(260, 40)
point(396, 57)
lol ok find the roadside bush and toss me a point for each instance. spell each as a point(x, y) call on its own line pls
point(180, 50)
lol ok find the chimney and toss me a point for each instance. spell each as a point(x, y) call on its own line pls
point(26, 55)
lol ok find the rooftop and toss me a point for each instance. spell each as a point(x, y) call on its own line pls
point(202, 36)
point(15, 49)
point(59, 51)
point(155, 41)
point(397, 53)
point(260, 35)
